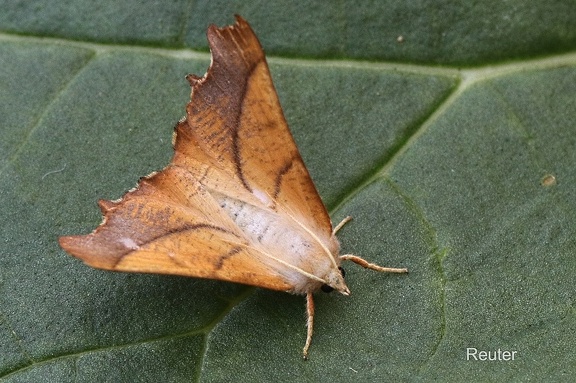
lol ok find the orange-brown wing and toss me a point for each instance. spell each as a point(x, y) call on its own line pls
point(233, 142)
point(236, 121)
point(171, 225)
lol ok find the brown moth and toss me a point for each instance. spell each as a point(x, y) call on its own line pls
point(236, 203)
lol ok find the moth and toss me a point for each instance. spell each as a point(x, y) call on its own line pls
point(236, 203)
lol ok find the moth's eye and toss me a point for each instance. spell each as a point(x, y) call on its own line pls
point(326, 288)
point(342, 271)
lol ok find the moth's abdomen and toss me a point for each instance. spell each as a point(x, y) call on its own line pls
point(283, 241)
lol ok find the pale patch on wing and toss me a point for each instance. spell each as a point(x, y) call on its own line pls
point(129, 243)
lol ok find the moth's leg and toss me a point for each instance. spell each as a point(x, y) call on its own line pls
point(362, 262)
point(342, 223)
point(309, 323)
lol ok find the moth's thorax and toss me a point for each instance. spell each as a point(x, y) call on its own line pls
point(282, 237)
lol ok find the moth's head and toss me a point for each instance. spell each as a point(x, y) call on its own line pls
point(335, 281)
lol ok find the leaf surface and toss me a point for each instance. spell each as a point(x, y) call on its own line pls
point(465, 176)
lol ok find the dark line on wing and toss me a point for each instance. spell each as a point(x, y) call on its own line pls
point(283, 171)
point(183, 228)
point(236, 152)
point(236, 128)
point(193, 227)
point(227, 256)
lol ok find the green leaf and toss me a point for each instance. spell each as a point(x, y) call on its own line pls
point(465, 176)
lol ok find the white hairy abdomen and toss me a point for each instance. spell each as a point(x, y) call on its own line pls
point(282, 238)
